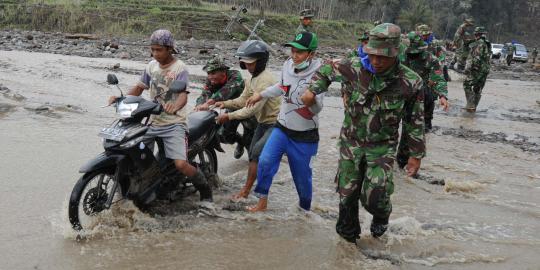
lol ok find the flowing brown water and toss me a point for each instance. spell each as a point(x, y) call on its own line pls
point(483, 213)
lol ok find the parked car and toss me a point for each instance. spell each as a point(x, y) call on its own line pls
point(520, 53)
point(496, 50)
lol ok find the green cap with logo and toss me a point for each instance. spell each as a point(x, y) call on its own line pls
point(216, 63)
point(305, 41)
point(423, 30)
point(417, 44)
point(384, 40)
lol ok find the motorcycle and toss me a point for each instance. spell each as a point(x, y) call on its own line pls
point(130, 169)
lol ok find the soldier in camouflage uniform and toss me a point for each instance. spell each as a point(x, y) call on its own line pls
point(534, 54)
point(435, 46)
point(510, 49)
point(477, 69)
point(225, 84)
point(306, 21)
point(462, 39)
point(425, 64)
point(375, 103)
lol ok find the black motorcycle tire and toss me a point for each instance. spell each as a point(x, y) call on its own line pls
point(77, 195)
point(211, 158)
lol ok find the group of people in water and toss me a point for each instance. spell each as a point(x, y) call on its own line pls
point(383, 86)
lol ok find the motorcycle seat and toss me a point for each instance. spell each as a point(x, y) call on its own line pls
point(199, 123)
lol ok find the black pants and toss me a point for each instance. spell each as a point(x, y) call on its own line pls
point(228, 133)
point(429, 104)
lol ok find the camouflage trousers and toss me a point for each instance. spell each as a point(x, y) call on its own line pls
point(365, 174)
point(461, 55)
point(429, 106)
point(473, 85)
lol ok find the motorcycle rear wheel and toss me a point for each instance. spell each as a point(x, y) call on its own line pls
point(88, 198)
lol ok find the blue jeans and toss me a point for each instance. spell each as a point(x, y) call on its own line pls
point(299, 155)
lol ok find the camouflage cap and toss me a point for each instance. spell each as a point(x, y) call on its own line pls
point(480, 30)
point(215, 63)
point(306, 13)
point(469, 20)
point(384, 40)
point(423, 30)
point(417, 44)
point(163, 37)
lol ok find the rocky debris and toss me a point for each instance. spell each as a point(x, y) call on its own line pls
point(5, 109)
point(53, 110)
point(81, 36)
point(518, 141)
point(7, 93)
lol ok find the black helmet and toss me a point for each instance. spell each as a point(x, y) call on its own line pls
point(251, 51)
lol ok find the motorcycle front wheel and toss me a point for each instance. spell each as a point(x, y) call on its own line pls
point(89, 198)
point(207, 160)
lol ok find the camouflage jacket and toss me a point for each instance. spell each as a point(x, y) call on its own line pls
point(436, 47)
point(464, 34)
point(230, 90)
point(430, 69)
point(479, 56)
point(302, 28)
point(375, 104)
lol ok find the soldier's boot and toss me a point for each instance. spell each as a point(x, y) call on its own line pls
point(469, 96)
point(477, 100)
point(378, 226)
point(348, 224)
point(428, 126)
point(201, 184)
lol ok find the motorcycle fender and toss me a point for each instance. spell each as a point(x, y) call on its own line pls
point(103, 160)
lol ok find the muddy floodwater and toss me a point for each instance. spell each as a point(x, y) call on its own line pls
point(476, 204)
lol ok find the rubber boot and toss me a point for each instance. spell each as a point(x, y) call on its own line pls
point(348, 224)
point(428, 126)
point(201, 184)
point(378, 226)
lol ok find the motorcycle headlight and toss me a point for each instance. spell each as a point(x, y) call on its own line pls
point(124, 110)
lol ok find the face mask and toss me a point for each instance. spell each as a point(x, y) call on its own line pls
point(303, 65)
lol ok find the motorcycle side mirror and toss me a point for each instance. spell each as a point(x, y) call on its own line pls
point(112, 80)
point(178, 86)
